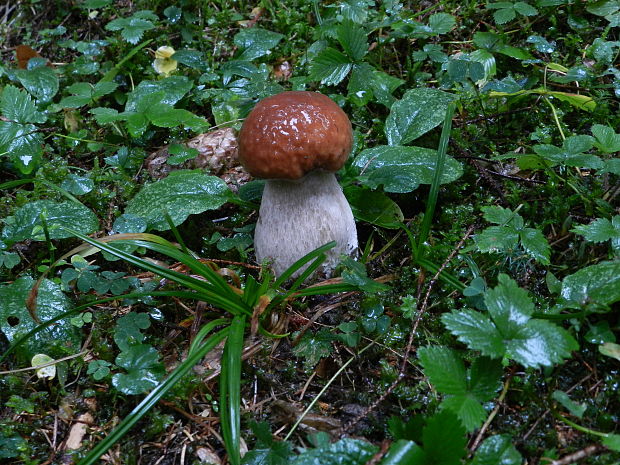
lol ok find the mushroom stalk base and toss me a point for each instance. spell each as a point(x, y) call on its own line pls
point(296, 217)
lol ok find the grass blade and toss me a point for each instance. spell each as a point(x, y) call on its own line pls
point(230, 390)
point(439, 167)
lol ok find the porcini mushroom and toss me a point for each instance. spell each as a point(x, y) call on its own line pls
point(296, 141)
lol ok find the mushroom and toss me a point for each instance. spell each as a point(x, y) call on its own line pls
point(296, 141)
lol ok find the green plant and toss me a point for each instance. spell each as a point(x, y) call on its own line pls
point(245, 305)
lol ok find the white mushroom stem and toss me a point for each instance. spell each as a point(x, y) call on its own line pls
point(296, 217)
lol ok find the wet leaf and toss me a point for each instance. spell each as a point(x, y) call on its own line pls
point(444, 439)
point(58, 340)
point(601, 230)
point(128, 329)
point(510, 331)
point(181, 194)
point(312, 347)
point(41, 81)
point(606, 138)
point(256, 42)
point(419, 111)
point(17, 106)
point(374, 207)
point(402, 169)
point(144, 370)
point(343, 452)
point(612, 442)
point(353, 40)
point(610, 349)
point(571, 153)
point(510, 233)
point(330, 67)
point(26, 222)
point(465, 390)
point(172, 90)
point(133, 28)
point(596, 286)
point(78, 185)
point(495, 450)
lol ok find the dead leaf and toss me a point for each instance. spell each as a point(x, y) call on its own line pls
point(78, 431)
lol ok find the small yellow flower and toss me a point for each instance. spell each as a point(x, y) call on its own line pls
point(163, 64)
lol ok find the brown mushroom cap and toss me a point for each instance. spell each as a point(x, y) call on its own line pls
point(292, 133)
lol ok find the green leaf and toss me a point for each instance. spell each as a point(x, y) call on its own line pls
point(444, 439)
point(512, 332)
point(330, 67)
point(312, 347)
point(596, 286)
point(419, 111)
point(9, 259)
point(98, 369)
point(573, 407)
point(144, 370)
point(168, 91)
point(255, 42)
point(23, 144)
point(541, 44)
point(192, 58)
point(476, 330)
point(353, 40)
point(374, 207)
point(128, 330)
point(525, 9)
point(497, 239)
point(441, 23)
point(57, 340)
point(612, 442)
point(444, 368)
point(571, 153)
point(612, 166)
point(343, 452)
point(603, 51)
point(505, 15)
point(13, 446)
point(511, 232)
point(366, 82)
point(17, 105)
point(465, 390)
point(402, 169)
point(610, 349)
point(41, 81)
point(535, 244)
point(607, 141)
point(78, 185)
point(180, 153)
point(403, 452)
point(84, 93)
point(603, 7)
point(497, 450)
point(499, 215)
point(601, 230)
point(181, 194)
point(26, 221)
point(133, 28)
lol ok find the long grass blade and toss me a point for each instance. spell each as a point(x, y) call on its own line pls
point(439, 167)
point(220, 294)
point(301, 262)
point(230, 390)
